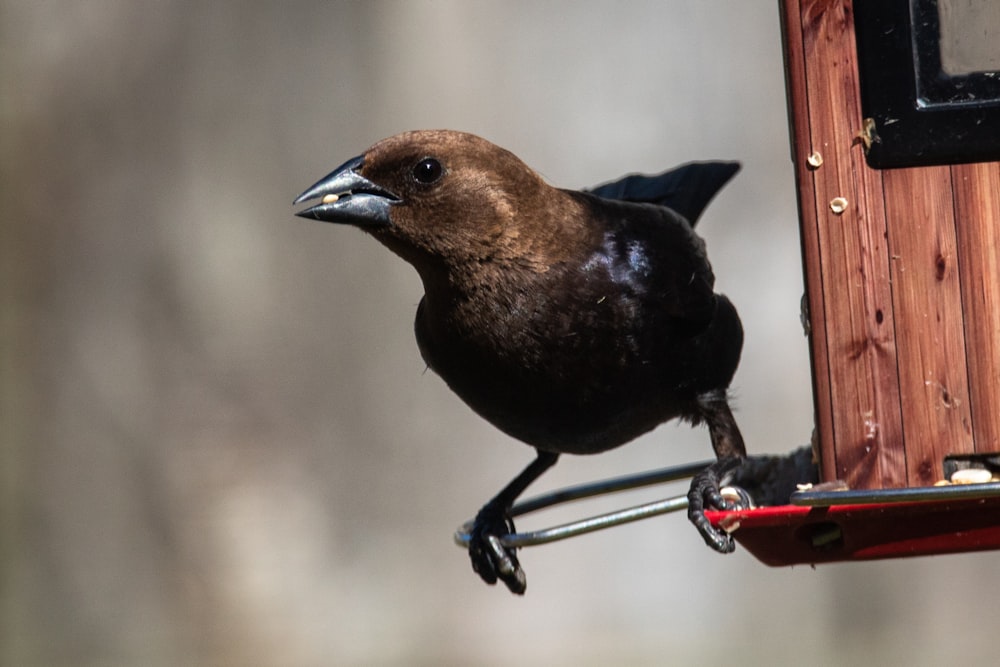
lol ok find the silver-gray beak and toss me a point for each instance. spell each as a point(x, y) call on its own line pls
point(348, 197)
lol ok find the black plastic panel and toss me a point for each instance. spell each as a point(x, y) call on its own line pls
point(924, 114)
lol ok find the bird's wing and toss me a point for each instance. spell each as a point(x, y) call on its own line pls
point(686, 189)
point(649, 255)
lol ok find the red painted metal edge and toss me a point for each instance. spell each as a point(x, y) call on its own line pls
point(790, 535)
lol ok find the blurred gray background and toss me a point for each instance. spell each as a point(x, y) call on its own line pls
point(219, 444)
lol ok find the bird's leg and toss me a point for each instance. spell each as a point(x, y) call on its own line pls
point(491, 559)
point(705, 487)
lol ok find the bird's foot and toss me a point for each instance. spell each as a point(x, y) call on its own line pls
point(490, 559)
point(706, 493)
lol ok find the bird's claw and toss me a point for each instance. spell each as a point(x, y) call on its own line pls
point(490, 559)
point(705, 494)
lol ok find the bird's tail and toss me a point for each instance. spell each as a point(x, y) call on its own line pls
point(686, 189)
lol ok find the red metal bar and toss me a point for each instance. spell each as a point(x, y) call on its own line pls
point(790, 535)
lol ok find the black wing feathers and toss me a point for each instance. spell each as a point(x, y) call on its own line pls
point(686, 189)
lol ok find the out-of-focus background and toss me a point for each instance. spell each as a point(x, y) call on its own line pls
point(219, 444)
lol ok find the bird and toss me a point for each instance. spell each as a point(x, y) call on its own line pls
point(572, 320)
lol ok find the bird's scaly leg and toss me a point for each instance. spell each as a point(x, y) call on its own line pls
point(489, 557)
point(706, 486)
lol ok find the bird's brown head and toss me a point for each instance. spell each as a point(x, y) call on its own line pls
point(441, 200)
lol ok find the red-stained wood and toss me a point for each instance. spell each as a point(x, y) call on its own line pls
point(903, 284)
point(977, 220)
point(853, 332)
point(798, 118)
point(927, 307)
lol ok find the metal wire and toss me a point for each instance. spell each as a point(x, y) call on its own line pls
point(599, 522)
point(808, 498)
point(811, 498)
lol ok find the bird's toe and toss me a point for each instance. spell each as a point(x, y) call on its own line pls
point(490, 559)
point(706, 493)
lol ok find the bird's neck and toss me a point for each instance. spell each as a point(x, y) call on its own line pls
point(481, 300)
point(476, 285)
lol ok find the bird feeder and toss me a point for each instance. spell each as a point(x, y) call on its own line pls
point(894, 109)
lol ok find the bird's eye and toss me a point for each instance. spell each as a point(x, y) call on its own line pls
point(427, 171)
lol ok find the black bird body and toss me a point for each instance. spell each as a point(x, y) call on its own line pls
point(586, 350)
point(573, 321)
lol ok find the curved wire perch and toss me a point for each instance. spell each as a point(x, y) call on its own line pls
point(599, 522)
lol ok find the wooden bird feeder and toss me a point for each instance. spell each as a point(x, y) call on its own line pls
point(894, 109)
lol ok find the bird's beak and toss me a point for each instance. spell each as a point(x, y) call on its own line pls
point(348, 197)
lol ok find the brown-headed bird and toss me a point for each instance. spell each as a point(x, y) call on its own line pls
point(573, 321)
